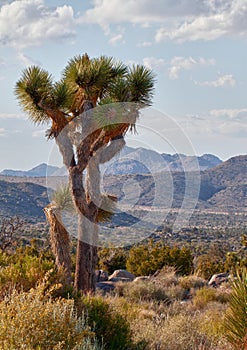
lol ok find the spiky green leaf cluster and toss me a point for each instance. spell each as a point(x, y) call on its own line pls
point(101, 80)
point(32, 90)
point(62, 97)
point(94, 76)
point(35, 90)
point(141, 81)
point(236, 316)
point(63, 199)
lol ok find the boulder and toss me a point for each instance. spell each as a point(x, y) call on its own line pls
point(218, 278)
point(123, 274)
point(105, 287)
point(101, 275)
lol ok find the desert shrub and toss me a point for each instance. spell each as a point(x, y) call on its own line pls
point(188, 336)
point(24, 273)
point(192, 281)
point(181, 259)
point(176, 332)
point(173, 326)
point(208, 265)
point(211, 321)
point(29, 320)
point(165, 277)
point(205, 295)
point(176, 292)
point(24, 268)
point(232, 262)
point(4, 259)
point(141, 291)
point(107, 324)
point(147, 259)
point(236, 315)
point(111, 259)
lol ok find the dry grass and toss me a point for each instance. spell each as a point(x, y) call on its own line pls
point(195, 323)
point(177, 327)
point(192, 282)
point(205, 295)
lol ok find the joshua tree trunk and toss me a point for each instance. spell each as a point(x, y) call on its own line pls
point(88, 201)
point(60, 242)
point(86, 257)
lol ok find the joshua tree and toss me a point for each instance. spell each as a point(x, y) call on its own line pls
point(91, 108)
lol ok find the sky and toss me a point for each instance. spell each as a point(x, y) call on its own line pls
point(197, 49)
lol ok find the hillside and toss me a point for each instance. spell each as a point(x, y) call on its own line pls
point(223, 188)
point(227, 183)
point(23, 199)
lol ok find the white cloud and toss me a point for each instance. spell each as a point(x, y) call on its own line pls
point(200, 28)
point(106, 12)
point(29, 22)
point(223, 81)
point(224, 19)
point(26, 60)
point(180, 20)
point(178, 64)
point(236, 114)
point(154, 63)
point(216, 123)
point(118, 38)
point(145, 44)
point(11, 116)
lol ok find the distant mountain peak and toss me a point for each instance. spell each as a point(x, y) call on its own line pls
point(39, 170)
point(132, 161)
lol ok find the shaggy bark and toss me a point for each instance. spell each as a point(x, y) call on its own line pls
point(60, 242)
point(86, 257)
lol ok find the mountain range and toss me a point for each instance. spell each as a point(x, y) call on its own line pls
point(131, 161)
point(222, 188)
point(38, 171)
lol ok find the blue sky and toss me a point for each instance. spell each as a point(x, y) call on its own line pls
point(198, 50)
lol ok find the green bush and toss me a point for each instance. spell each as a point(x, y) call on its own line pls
point(205, 295)
point(147, 259)
point(111, 259)
point(24, 273)
point(107, 324)
point(208, 265)
point(24, 268)
point(141, 291)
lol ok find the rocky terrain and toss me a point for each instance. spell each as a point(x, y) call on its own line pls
point(221, 198)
